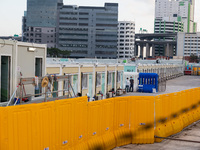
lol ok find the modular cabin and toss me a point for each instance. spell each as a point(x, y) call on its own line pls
point(19, 59)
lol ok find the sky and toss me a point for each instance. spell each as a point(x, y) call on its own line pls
point(140, 11)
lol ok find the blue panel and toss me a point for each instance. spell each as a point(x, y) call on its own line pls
point(148, 82)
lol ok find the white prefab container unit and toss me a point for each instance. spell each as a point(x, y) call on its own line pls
point(19, 59)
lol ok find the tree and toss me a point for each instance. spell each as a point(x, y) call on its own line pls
point(55, 52)
point(194, 58)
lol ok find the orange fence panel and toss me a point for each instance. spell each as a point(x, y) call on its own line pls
point(176, 120)
point(80, 123)
point(164, 127)
point(75, 124)
point(21, 127)
point(64, 118)
point(45, 118)
point(95, 125)
point(142, 119)
point(121, 121)
point(107, 124)
point(3, 129)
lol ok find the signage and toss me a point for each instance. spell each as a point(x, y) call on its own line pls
point(129, 68)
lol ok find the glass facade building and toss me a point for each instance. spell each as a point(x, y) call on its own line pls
point(42, 13)
point(88, 31)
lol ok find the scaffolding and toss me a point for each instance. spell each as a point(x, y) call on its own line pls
point(46, 84)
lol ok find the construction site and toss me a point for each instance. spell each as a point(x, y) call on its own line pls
point(84, 104)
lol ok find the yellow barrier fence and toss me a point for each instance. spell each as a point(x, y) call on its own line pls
point(176, 111)
point(142, 119)
point(75, 124)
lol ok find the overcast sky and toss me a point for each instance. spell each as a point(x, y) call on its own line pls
point(140, 11)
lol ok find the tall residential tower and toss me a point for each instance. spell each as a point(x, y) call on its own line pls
point(173, 16)
point(126, 39)
point(178, 15)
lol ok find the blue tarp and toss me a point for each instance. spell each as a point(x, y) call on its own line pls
point(147, 82)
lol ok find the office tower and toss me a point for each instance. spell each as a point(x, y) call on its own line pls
point(126, 39)
point(88, 31)
point(39, 22)
point(188, 44)
point(84, 31)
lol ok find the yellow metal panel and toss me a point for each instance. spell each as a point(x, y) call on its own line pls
point(100, 69)
point(80, 123)
point(64, 115)
point(120, 68)
point(107, 124)
point(95, 125)
point(53, 70)
point(45, 118)
point(111, 68)
point(142, 119)
point(87, 69)
point(70, 70)
point(121, 121)
point(21, 128)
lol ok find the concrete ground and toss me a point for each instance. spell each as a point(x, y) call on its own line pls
point(174, 85)
point(190, 133)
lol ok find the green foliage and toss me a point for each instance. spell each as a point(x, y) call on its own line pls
point(194, 58)
point(55, 52)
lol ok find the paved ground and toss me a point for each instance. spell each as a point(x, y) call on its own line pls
point(191, 133)
point(174, 85)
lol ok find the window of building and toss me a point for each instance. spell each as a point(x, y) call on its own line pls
point(85, 81)
point(118, 76)
point(67, 85)
point(98, 79)
point(109, 78)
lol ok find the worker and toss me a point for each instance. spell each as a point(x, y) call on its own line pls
point(127, 85)
point(131, 84)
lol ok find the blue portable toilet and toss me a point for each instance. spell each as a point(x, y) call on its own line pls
point(148, 82)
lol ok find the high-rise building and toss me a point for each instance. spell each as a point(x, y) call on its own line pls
point(188, 44)
point(172, 16)
point(88, 31)
point(84, 31)
point(175, 11)
point(40, 21)
point(126, 39)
